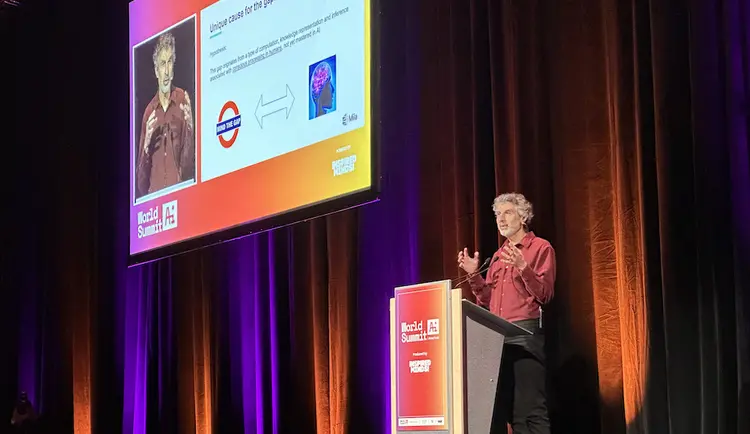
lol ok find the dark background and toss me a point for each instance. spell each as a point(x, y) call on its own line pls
point(624, 122)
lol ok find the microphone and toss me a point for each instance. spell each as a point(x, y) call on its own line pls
point(485, 265)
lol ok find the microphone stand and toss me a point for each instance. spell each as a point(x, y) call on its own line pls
point(486, 266)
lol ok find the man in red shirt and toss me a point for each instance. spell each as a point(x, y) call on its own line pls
point(519, 282)
point(166, 151)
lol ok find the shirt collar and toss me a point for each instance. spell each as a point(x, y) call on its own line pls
point(525, 242)
point(172, 99)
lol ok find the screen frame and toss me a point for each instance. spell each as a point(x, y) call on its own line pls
point(307, 212)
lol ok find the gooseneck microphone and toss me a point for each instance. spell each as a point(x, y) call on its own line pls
point(485, 265)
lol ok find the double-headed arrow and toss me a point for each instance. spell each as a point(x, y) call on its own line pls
point(284, 104)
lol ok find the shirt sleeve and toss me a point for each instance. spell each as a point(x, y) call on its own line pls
point(143, 162)
point(187, 154)
point(539, 275)
point(187, 148)
point(482, 288)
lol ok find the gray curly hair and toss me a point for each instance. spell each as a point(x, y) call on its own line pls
point(165, 41)
point(523, 206)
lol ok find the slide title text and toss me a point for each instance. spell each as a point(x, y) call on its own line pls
point(236, 16)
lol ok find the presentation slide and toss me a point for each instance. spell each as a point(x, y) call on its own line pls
point(243, 110)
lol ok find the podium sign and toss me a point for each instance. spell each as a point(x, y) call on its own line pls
point(445, 361)
point(422, 360)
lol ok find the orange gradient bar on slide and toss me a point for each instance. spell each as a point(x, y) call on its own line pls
point(271, 187)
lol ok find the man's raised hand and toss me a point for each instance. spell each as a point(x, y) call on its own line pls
point(149, 132)
point(187, 111)
point(466, 262)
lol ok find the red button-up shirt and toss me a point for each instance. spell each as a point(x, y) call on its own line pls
point(171, 157)
point(515, 295)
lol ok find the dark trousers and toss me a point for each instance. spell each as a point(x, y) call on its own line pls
point(521, 399)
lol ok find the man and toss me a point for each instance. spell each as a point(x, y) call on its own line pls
point(519, 282)
point(166, 151)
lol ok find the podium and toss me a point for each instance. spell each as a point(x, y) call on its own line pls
point(445, 360)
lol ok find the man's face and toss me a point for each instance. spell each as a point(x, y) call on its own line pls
point(507, 219)
point(164, 69)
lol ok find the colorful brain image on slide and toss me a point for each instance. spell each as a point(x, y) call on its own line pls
point(323, 87)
